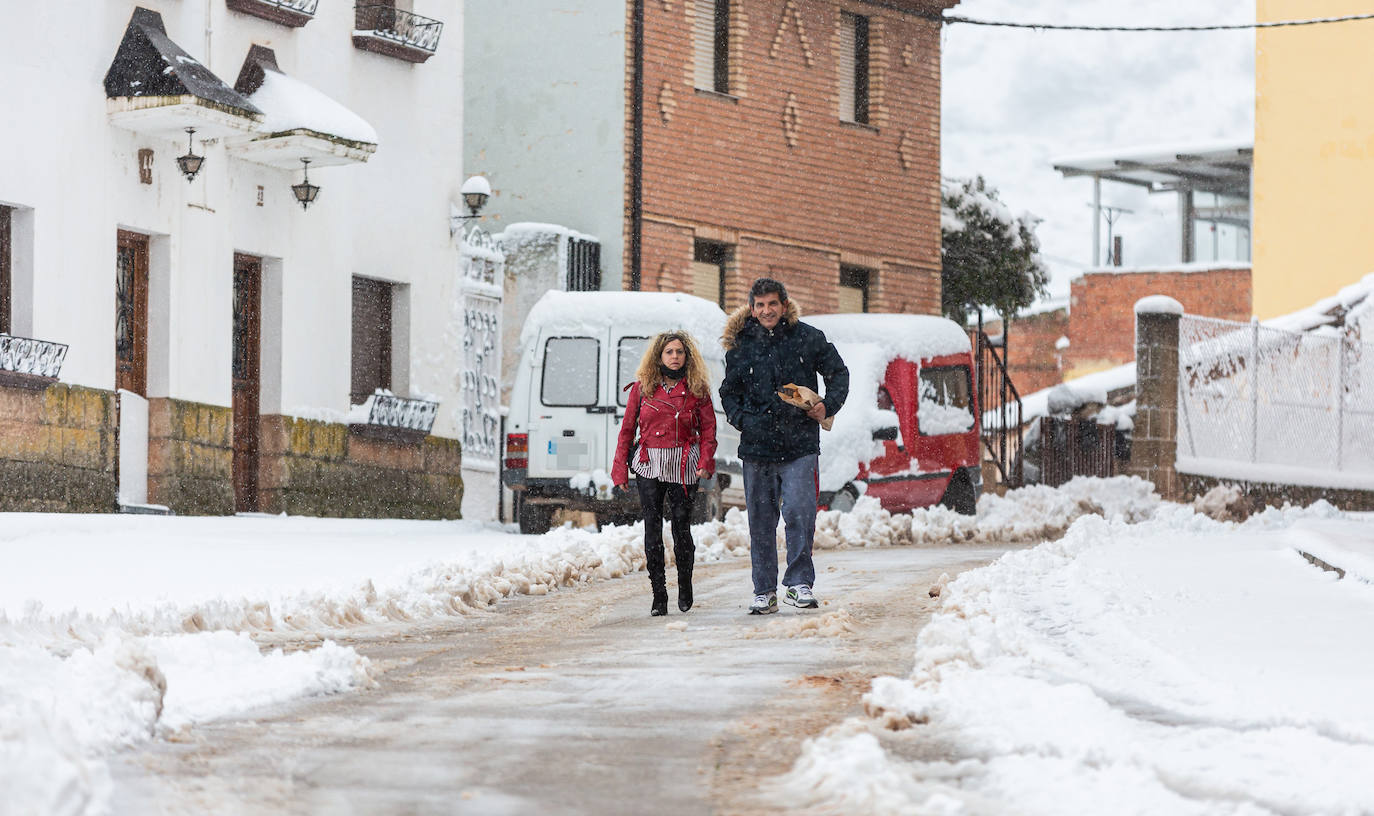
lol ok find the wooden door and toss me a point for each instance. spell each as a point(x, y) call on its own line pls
point(371, 338)
point(5, 275)
point(131, 313)
point(246, 385)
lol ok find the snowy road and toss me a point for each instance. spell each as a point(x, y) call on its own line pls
point(576, 702)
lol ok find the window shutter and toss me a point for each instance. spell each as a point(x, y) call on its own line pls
point(706, 281)
point(851, 300)
point(846, 66)
point(704, 40)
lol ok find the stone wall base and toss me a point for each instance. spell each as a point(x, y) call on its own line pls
point(57, 450)
point(190, 457)
point(314, 468)
point(1258, 495)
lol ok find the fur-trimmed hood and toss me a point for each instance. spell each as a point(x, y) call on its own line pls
point(736, 322)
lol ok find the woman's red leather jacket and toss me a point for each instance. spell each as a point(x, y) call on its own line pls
point(677, 420)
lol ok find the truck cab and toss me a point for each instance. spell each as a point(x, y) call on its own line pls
point(579, 351)
point(908, 434)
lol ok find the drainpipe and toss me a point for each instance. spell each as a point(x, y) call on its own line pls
point(636, 144)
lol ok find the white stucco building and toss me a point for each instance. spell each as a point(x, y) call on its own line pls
point(242, 324)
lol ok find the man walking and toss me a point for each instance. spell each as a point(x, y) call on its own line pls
point(768, 347)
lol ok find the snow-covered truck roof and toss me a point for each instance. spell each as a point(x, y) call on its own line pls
point(913, 337)
point(595, 313)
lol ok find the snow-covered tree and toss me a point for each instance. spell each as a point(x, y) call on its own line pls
point(990, 256)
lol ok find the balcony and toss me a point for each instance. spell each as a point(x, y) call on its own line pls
point(393, 419)
point(293, 13)
point(385, 29)
point(28, 363)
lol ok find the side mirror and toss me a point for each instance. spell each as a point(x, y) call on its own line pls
point(889, 433)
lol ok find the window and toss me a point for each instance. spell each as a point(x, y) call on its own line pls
point(853, 68)
point(711, 36)
point(630, 352)
point(371, 338)
point(6, 271)
point(572, 369)
point(945, 401)
point(853, 294)
point(584, 265)
point(709, 261)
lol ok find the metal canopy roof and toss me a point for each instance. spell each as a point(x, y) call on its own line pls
point(1216, 167)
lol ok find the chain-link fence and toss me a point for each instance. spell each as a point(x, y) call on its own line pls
point(1248, 393)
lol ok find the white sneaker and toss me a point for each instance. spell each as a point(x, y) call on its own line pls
point(765, 604)
point(800, 596)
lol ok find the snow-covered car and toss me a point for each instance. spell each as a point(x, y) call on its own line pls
point(579, 351)
point(908, 433)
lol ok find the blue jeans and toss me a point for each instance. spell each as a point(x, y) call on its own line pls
point(790, 487)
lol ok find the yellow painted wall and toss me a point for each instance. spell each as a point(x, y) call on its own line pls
point(1313, 194)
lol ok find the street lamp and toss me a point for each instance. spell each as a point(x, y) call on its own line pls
point(305, 191)
point(475, 192)
point(190, 163)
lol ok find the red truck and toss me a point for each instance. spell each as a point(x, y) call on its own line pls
point(908, 434)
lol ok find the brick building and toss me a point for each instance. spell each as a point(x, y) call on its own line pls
point(792, 138)
point(1102, 323)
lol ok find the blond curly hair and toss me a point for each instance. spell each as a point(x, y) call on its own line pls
point(648, 375)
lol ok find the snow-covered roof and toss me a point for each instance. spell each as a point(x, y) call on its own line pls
point(1187, 268)
point(1096, 385)
point(149, 64)
point(914, 337)
point(292, 105)
point(596, 313)
point(1351, 299)
point(1221, 166)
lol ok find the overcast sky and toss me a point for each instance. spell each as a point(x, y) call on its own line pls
point(1015, 99)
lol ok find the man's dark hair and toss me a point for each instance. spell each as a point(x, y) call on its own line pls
point(767, 286)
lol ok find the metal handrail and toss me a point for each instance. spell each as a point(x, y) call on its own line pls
point(1003, 438)
point(399, 25)
point(25, 355)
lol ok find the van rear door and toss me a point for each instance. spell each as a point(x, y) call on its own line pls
point(567, 423)
point(628, 351)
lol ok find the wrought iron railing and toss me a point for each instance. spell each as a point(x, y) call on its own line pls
point(37, 358)
point(397, 24)
point(1000, 403)
point(293, 13)
point(302, 6)
point(390, 411)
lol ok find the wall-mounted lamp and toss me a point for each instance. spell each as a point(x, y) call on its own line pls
point(305, 191)
point(475, 192)
point(190, 163)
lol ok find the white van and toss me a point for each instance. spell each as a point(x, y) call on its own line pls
point(579, 351)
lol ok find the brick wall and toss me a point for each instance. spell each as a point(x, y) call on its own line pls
point(773, 171)
point(1034, 363)
point(57, 450)
point(315, 468)
point(1102, 328)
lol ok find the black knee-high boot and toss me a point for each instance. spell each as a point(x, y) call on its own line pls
point(654, 559)
point(685, 557)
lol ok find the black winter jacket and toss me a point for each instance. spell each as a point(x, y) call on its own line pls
point(759, 362)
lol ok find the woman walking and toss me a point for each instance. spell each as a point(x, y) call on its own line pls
point(670, 409)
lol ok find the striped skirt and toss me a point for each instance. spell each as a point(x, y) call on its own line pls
point(665, 464)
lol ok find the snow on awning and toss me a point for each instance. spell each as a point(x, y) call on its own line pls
point(300, 121)
point(155, 87)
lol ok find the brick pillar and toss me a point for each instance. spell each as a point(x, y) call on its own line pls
point(1155, 444)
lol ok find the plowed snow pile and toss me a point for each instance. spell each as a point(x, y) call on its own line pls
point(1177, 666)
